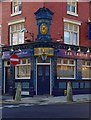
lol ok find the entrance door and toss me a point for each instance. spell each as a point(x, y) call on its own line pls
point(43, 79)
point(8, 81)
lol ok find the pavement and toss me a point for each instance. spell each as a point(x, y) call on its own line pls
point(45, 99)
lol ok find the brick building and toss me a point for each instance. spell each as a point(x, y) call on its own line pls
point(52, 41)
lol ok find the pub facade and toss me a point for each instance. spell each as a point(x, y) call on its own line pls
point(46, 66)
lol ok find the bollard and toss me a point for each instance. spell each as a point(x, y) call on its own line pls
point(69, 92)
point(14, 93)
point(18, 92)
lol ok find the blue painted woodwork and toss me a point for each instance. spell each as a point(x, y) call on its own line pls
point(89, 30)
point(52, 72)
point(8, 82)
point(43, 16)
point(79, 69)
point(43, 79)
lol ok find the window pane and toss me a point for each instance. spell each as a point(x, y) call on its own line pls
point(23, 71)
point(65, 26)
point(65, 61)
point(66, 37)
point(71, 62)
point(73, 9)
point(74, 38)
point(87, 85)
point(86, 72)
point(68, 7)
point(82, 85)
point(65, 71)
point(14, 38)
point(70, 27)
point(75, 28)
point(75, 85)
point(62, 85)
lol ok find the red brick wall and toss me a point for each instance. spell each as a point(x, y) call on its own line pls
point(28, 10)
point(60, 11)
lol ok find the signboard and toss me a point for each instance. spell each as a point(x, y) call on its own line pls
point(14, 59)
point(23, 53)
point(73, 54)
point(40, 51)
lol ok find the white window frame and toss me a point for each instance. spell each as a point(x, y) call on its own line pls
point(18, 4)
point(21, 64)
point(74, 23)
point(69, 2)
point(87, 66)
point(62, 64)
point(17, 33)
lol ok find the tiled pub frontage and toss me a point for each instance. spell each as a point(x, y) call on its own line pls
point(45, 66)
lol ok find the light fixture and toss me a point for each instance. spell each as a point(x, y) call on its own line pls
point(60, 40)
point(88, 50)
point(43, 54)
point(19, 50)
point(79, 50)
point(12, 49)
point(69, 49)
point(31, 34)
point(24, 30)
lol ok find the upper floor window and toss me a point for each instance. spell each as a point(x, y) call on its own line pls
point(16, 7)
point(16, 36)
point(72, 7)
point(71, 34)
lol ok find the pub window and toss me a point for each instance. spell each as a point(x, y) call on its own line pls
point(23, 70)
point(65, 68)
point(86, 69)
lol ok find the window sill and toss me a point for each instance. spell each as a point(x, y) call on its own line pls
point(23, 78)
point(17, 13)
point(64, 78)
point(71, 13)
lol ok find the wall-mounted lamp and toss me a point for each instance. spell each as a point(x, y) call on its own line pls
point(31, 34)
point(79, 50)
point(69, 49)
point(12, 50)
point(60, 40)
point(43, 55)
point(19, 50)
point(88, 50)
